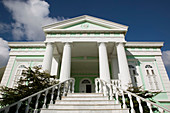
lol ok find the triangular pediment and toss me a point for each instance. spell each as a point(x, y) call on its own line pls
point(84, 23)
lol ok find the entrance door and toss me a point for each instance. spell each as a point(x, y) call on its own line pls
point(85, 86)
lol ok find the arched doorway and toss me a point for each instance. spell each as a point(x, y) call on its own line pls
point(85, 86)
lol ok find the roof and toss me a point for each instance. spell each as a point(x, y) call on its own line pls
point(63, 26)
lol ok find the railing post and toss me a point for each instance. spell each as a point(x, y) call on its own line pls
point(117, 96)
point(18, 106)
point(36, 105)
point(64, 89)
point(105, 89)
point(131, 103)
point(52, 95)
point(110, 92)
point(7, 110)
point(27, 108)
point(69, 86)
point(140, 106)
point(150, 107)
point(100, 87)
point(58, 93)
point(123, 100)
point(73, 82)
point(45, 99)
point(96, 86)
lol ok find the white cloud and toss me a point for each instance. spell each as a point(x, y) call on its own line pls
point(4, 28)
point(4, 52)
point(29, 18)
point(166, 59)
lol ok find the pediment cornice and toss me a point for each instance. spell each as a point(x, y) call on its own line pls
point(107, 26)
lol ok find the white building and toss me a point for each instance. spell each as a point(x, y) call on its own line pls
point(86, 48)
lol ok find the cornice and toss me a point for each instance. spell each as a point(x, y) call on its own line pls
point(85, 18)
point(84, 31)
point(144, 44)
point(26, 44)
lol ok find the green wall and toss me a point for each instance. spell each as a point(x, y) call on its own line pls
point(78, 79)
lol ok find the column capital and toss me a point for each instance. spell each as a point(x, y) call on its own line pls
point(49, 43)
point(99, 43)
point(118, 43)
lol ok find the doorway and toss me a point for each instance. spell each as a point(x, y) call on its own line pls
point(85, 86)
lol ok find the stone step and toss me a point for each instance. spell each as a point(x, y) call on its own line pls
point(85, 98)
point(84, 102)
point(84, 111)
point(84, 94)
point(84, 106)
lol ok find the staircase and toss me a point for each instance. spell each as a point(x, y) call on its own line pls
point(84, 103)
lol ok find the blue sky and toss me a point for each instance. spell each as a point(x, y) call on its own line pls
point(148, 20)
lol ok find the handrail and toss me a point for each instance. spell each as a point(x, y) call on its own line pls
point(71, 90)
point(118, 91)
point(143, 99)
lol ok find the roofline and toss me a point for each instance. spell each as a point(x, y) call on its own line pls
point(83, 17)
point(127, 44)
point(80, 31)
point(144, 44)
point(26, 44)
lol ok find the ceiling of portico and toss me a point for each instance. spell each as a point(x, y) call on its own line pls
point(84, 49)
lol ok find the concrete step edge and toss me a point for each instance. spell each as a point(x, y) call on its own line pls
point(85, 100)
point(83, 104)
point(87, 94)
point(84, 93)
point(84, 96)
point(85, 109)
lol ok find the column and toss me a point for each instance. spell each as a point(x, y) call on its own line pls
point(115, 69)
point(66, 63)
point(103, 63)
point(55, 65)
point(124, 74)
point(48, 57)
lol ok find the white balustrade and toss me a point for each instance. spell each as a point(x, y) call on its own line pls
point(52, 95)
point(131, 103)
point(67, 86)
point(27, 108)
point(150, 107)
point(123, 100)
point(140, 105)
point(115, 92)
point(116, 82)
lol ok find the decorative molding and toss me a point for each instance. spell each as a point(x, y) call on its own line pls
point(144, 44)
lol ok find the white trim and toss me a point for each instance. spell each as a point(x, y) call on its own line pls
point(144, 44)
point(91, 83)
point(85, 18)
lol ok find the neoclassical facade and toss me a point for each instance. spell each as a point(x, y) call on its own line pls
point(86, 48)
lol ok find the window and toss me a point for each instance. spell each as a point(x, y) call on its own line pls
point(133, 74)
point(85, 81)
point(153, 72)
point(152, 78)
point(147, 71)
point(18, 74)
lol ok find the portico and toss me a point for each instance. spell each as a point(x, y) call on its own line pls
point(86, 47)
point(85, 58)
